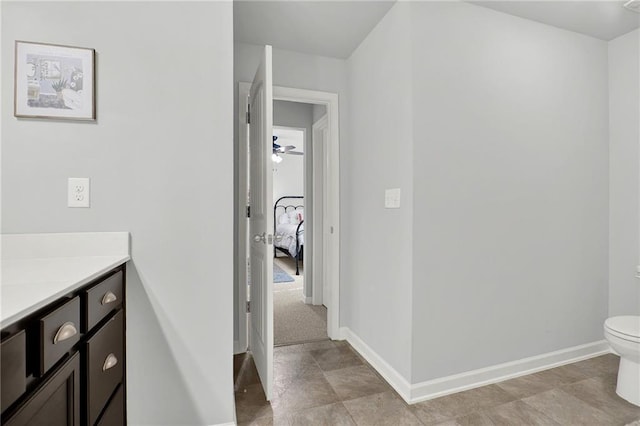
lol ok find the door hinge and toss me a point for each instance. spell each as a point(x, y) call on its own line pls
point(248, 307)
point(248, 211)
point(249, 114)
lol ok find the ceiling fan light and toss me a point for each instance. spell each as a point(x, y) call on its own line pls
point(276, 158)
point(633, 5)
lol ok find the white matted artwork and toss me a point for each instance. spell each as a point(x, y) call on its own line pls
point(53, 81)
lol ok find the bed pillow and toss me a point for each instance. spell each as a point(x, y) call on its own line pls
point(294, 218)
point(283, 219)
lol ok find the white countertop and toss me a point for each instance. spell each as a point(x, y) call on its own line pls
point(39, 268)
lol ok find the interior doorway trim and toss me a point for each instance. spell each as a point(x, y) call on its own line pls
point(331, 216)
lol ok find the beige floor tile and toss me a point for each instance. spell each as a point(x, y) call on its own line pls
point(474, 419)
point(524, 386)
point(326, 415)
point(600, 393)
point(244, 371)
point(336, 358)
point(381, 409)
point(460, 404)
point(306, 347)
point(308, 390)
point(598, 366)
point(262, 421)
point(251, 404)
point(518, 413)
point(562, 375)
point(567, 409)
point(355, 382)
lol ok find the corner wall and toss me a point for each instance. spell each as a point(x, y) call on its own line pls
point(624, 184)
point(376, 273)
point(510, 188)
point(155, 157)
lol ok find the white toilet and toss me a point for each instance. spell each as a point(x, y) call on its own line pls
point(623, 334)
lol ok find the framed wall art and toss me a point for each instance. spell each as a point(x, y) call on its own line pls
point(53, 81)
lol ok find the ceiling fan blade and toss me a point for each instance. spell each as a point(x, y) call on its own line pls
point(294, 153)
point(286, 148)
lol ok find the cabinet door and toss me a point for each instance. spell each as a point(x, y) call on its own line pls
point(56, 402)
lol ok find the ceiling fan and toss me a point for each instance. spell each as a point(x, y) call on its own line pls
point(280, 149)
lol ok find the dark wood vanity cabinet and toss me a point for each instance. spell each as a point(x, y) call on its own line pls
point(65, 364)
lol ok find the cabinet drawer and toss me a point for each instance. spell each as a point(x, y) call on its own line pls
point(13, 369)
point(55, 403)
point(58, 333)
point(104, 360)
point(114, 413)
point(101, 299)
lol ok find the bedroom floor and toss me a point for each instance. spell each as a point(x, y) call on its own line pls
point(294, 320)
point(328, 383)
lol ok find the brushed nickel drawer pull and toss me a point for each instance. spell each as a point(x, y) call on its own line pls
point(66, 331)
point(110, 362)
point(109, 297)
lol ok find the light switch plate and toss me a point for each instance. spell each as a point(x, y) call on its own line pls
point(78, 192)
point(392, 198)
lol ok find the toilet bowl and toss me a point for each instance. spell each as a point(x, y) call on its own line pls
point(623, 334)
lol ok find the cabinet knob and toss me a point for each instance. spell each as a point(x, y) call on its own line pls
point(109, 297)
point(109, 362)
point(66, 331)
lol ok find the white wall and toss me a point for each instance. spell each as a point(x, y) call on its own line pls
point(376, 247)
point(298, 70)
point(624, 174)
point(289, 175)
point(510, 188)
point(155, 159)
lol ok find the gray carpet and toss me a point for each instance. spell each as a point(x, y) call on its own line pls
point(295, 321)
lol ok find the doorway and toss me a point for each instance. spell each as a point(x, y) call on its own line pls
point(323, 270)
point(299, 314)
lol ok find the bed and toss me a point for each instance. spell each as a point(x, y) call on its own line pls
point(288, 221)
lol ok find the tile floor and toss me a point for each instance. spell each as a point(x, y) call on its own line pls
point(328, 383)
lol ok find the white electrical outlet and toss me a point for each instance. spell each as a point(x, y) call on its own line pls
point(78, 192)
point(392, 198)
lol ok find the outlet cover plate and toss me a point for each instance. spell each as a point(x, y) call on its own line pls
point(392, 198)
point(78, 192)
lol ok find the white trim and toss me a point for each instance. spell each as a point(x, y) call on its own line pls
point(226, 424)
point(332, 219)
point(414, 393)
point(332, 206)
point(307, 299)
point(395, 379)
point(508, 370)
point(319, 183)
point(242, 244)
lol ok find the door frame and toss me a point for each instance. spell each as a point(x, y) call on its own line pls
point(320, 126)
point(331, 216)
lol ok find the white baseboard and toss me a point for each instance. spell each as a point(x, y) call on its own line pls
point(509, 370)
point(307, 300)
point(395, 379)
point(413, 393)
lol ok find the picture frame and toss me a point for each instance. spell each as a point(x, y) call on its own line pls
point(54, 81)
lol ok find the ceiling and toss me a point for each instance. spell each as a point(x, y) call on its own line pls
point(325, 28)
point(605, 20)
point(336, 28)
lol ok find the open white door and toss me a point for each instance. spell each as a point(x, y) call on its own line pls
point(261, 221)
